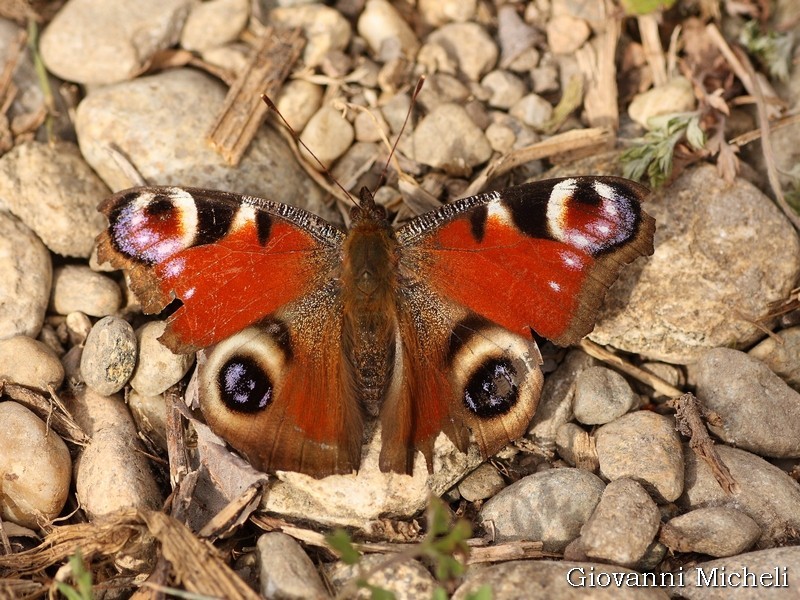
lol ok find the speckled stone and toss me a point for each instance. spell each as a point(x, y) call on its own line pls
point(109, 355)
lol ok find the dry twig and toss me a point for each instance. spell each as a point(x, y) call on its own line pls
point(689, 414)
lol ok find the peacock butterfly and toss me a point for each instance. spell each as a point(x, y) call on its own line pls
point(310, 329)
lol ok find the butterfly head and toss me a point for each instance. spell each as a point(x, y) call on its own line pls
point(367, 209)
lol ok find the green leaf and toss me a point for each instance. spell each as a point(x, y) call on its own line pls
point(644, 7)
point(341, 542)
point(482, 593)
point(653, 153)
point(772, 49)
point(82, 589)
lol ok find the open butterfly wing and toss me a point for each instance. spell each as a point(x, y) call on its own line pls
point(538, 255)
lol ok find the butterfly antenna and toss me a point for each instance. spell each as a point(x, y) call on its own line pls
point(271, 105)
point(417, 89)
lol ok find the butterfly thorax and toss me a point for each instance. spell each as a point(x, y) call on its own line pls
point(369, 280)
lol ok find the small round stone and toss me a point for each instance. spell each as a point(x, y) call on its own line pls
point(550, 506)
point(407, 579)
point(286, 571)
point(532, 110)
point(325, 29)
point(328, 135)
point(109, 355)
point(123, 37)
point(158, 368)
point(214, 23)
point(672, 97)
point(381, 25)
point(111, 473)
point(506, 89)
point(601, 395)
point(623, 525)
point(31, 363)
point(470, 45)
point(484, 482)
point(716, 531)
point(565, 34)
point(447, 138)
point(52, 189)
point(26, 273)
point(760, 412)
point(78, 288)
point(764, 492)
point(35, 468)
point(439, 12)
point(298, 101)
point(645, 447)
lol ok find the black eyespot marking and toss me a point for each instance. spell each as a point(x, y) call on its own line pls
point(528, 206)
point(493, 389)
point(159, 206)
point(477, 222)
point(263, 226)
point(213, 222)
point(244, 386)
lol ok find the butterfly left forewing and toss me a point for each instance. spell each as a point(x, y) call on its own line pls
point(231, 260)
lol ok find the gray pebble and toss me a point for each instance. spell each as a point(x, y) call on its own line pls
point(407, 580)
point(328, 135)
point(439, 12)
point(286, 571)
point(123, 37)
point(54, 192)
point(484, 482)
point(643, 446)
point(28, 362)
point(78, 288)
point(532, 110)
point(214, 23)
point(550, 506)
point(506, 89)
point(157, 367)
point(325, 29)
point(759, 411)
point(765, 493)
point(382, 25)
point(717, 531)
point(35, 468)
point(109, 356)
point(601, 395)
point(26, 276)
point(763, 574)
point(622, 526)
point(298, 101)
point(781, 355)
point(469, 45)
point(112, 472)
point(447, 138)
